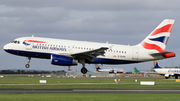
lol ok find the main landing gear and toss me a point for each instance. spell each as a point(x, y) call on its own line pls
point(83, 69)
point(27, 65)
point(176, 77)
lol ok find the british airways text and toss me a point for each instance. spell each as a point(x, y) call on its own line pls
point(48, 48)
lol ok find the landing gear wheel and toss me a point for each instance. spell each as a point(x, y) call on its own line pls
point(83, 70)
point(166, 77)
point(27, 65)
point(176, 77)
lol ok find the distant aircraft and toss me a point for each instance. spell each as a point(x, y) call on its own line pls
point(115, 71)
point(69, 52)
point(138, 71)
point(167, 72)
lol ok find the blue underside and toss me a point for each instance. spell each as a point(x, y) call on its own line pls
point(48, 56)
point(176, 74)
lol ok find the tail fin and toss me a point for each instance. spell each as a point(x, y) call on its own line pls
point(135, 70)
point(97, 68)
point(155, 63)
point(157, 66)
point(158, 38)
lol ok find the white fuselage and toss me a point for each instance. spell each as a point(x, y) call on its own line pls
point(111, 70)
point(44, 47)
point(170, 71)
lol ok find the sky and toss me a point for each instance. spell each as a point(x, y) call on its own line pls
point(116, 21)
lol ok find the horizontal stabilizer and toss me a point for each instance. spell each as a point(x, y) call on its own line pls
point(165, 54)
point(159, 54)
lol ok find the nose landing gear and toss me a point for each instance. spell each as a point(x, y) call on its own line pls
point(27, 65)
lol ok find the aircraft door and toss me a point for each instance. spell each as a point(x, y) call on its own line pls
point(135, 54)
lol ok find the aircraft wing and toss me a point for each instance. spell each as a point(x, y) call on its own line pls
point(88, 55)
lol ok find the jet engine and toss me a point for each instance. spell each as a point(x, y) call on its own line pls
point(63, 60)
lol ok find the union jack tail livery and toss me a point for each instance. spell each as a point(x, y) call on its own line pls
point(158, 38)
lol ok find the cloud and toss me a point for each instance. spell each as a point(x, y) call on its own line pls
point(81, 5)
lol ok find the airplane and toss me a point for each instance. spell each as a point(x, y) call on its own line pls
point(138, 71)
point(167, 72)
point(70, 52)
point(115, 71)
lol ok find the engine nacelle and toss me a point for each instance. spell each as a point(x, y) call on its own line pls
point(63, 60)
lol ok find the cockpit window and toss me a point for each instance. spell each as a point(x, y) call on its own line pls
point(16, 42)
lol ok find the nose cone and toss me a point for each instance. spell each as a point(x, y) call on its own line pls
point(6, 47)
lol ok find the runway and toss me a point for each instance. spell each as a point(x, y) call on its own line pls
point(89, 90)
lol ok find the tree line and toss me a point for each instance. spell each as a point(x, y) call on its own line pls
point(23, 72)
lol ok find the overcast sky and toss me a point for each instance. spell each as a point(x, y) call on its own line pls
point(117, 21)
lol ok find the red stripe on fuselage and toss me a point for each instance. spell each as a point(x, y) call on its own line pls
point(166, 28)
point(34, 41)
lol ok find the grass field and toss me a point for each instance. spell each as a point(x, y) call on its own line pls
point(89, 97)
point(86, 83)
point(16, 82)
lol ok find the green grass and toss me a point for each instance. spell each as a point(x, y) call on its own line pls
point(94, 86)
point(89, 97)
point(74, 83)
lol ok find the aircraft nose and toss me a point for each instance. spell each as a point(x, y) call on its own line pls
point(6, 47)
